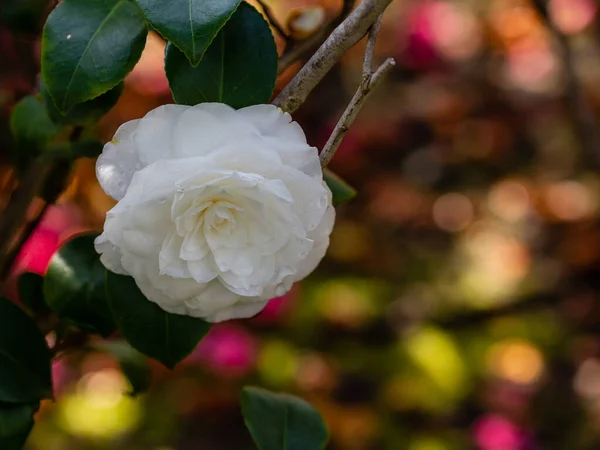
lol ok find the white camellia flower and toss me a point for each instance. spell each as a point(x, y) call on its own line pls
point(218, 210)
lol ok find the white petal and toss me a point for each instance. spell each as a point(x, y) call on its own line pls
point(321, 243)
point(169, 262)
point(238, 311)
point(211, 299)
point(110, 255)
point(119, 161)
point(287, 137)
point(156, 136)
point(207, 127)
point(273, 121)
point(203, 270)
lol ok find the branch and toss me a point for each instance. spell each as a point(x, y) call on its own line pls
point(584, 120)
point(44, 178)
point(369, 81)
point(271, 18)
point(293, 53)
point(15, 212)
point(345, 36)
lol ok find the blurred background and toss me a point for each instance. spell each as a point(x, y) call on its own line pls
point(458, 306)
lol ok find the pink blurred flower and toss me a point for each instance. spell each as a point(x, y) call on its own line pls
point(494, 432)
point(227, 350)
point(419, 50)
point(37, 251)
point(60, 376)
point(59, 224)
point(277, 308)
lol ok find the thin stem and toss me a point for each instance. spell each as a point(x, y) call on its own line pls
point(368, 82)
point(352, 110)
point(274, 23)
point(15, 212)
point(23, 238)
point(370, 48)
point(293, 53)
point(345, 36)
point(41, 176)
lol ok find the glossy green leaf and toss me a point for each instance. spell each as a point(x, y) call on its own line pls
point(239, 68)
point(169, 338)
point(24, 357)
point(341, 191)
point(191, 25)
point(88, 47)
point(282, 421)
point(30, 287)
point(74, 286)
point(16, 422)
point(86, 113)
point(32, 130)
point(133, 364)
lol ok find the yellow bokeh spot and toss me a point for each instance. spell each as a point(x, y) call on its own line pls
point(98, 408)
point(277, 362)
point(439, 357)
point(428, 443)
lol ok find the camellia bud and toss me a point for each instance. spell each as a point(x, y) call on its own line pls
point(303, 23)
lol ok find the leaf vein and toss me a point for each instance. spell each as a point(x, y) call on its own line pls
point(87, 47)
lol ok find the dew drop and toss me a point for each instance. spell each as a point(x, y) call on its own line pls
point(69, 36)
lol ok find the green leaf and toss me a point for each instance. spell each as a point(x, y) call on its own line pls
point(191, 25)
point(32, 130)
point(88, 47)
point(87, 148)
point(83, 114)
point(282, 421)
point(169, 338)
point(239, 68)
point(133, 364)
point(24, 357)
point(74, 286)
point(342, 191)
point(16, 422)
point(30, 287)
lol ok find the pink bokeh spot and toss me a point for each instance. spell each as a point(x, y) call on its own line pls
point(494, 432)
point(59, 224)
point(60, 376)
point(420, 51)
point(226, 350)
point(278, 308)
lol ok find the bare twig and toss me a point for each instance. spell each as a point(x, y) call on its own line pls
point(23, 238)
point(43, 177)
point(271, 18)
point(369, 81)
point(346, 35)
point(584, 120)
point(16, 210)
point(293, 53)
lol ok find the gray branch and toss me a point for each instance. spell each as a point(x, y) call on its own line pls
point(345, 36)
point(369, 81)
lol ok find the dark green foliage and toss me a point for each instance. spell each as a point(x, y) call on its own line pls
point(239, 68)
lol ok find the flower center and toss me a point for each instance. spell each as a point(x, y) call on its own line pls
point(220, 217)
